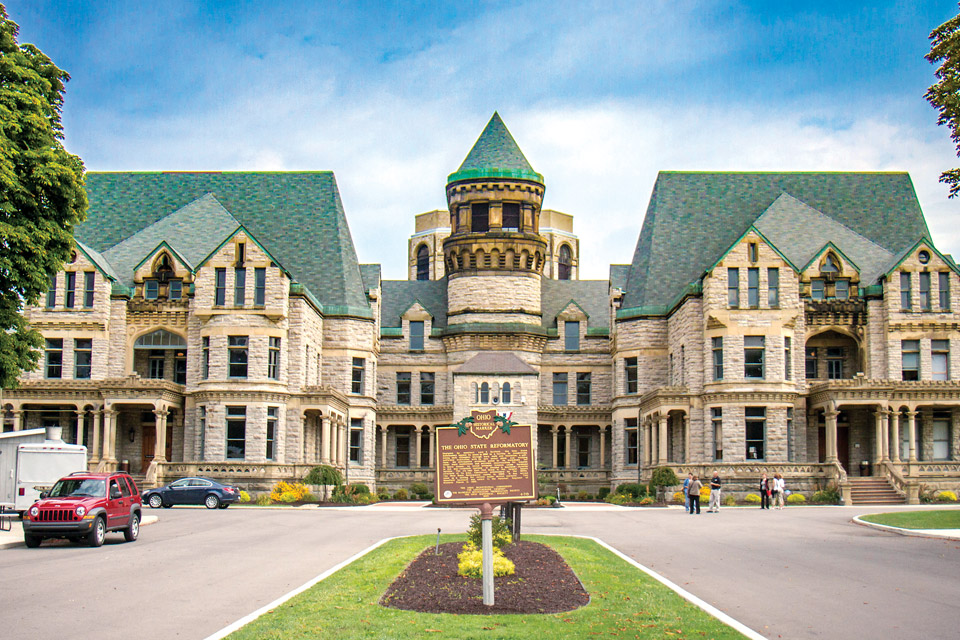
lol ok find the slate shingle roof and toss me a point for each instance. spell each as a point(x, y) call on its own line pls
point(590, 295)
point(495, 154)
point(297, 216)
point(800, 232)
point(396, 296)
point(693, 218)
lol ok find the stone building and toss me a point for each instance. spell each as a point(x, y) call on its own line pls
point(220, 324)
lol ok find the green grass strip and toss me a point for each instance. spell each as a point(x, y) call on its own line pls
point(917, 519)
point(625, 602)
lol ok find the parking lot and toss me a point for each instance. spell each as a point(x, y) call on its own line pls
point(799, 573)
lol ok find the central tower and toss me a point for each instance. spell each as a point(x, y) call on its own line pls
point(495, 255)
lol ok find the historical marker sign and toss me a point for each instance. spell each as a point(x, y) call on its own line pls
point(485, 458)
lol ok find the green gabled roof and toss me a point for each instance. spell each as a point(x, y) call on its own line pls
point(101, 263)
point(590, 295)
point(693, 217)
point(495, 154)
point(898, 259)
point(396, 296)
point(297, 216)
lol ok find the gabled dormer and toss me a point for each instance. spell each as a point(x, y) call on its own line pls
point(830, 275)
point(921, 279)
point(751, 274)
point(163, 274)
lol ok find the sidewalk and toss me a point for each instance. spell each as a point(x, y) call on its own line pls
point(14, 537)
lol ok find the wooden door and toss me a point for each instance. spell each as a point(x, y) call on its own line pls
point(843, 447)
point(149, 445)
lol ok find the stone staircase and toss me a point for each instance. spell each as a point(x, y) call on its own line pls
point(873, 491)
point(140, 479)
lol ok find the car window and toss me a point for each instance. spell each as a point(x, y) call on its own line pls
point(78, 488)
point(133, 486)
point(124, 487)
point(113, 485)
point(181, 483)
point(202, 483)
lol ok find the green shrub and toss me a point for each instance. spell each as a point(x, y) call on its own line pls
point(796, 498)
point(470, 562)
point(729, 500)
point(244, 497)
point(324, 474)
point(603, 493)
point(646, 500)
point(632, 489)
point(830, 495)
point(946, 496)
point(752, 498)
point(419, 489)
point(289, 497)
point(619, 498)
point(358, 489)
point(500, 528)
point(263, 499)
point(663, 477)
point(401, 494)
point(383, 494)
point(583, 496)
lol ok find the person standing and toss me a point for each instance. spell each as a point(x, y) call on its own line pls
point(715, 492)
point(764, 492)
point(779, 487)
point(686, 491)
point(694, 494)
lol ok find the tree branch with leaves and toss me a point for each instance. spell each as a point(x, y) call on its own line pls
point(944, 95)
point(42, 192)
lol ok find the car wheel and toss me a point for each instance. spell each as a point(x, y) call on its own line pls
point(133, 529)
point(32, 541)
point(98, 533)
point(155, 501)
point(211, 502)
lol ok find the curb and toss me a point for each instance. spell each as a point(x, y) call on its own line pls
point(146, 521)
point(913, 533)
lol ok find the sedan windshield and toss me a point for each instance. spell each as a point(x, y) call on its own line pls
point(79, 488)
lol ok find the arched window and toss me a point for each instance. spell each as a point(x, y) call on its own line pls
point(163, 270)
point(505, 393)
point(830, 264)
point(423, 263)
point(564, 266)
point(484, 393)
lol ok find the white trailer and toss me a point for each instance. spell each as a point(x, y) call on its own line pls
point(31, 461)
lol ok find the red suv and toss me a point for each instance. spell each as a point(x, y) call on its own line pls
point(85, 506)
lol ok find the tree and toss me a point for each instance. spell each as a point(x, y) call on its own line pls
point(945, 94)
point(41, 193)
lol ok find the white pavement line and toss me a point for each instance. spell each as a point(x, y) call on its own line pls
point(916, 533)
point(223, 633)
point(683, 593)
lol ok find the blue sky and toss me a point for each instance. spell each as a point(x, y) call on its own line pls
point(600, 96)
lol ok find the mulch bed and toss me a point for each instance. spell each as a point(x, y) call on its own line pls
point(543, 583)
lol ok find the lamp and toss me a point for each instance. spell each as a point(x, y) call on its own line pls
point(132, 434)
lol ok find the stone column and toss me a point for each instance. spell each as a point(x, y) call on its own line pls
point(78, 426)
point(878, 437)
point(553, 433)
point(955, 434)
point(912, 426)
point(662, 454)
point(685, 422)
point(652, 437)
point(568, 432)
point(417, 447)
point(341, 443)
point(95, 436)
point(324, 440)
point(831, 433)
point(110, 436)
point(885, 451)
point(603, 446)
point(431, 441)
point(160, 448)
point(895, 444)
point(383, 447)
point(18, 419)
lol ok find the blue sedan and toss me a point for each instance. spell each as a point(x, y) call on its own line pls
point(209, 493)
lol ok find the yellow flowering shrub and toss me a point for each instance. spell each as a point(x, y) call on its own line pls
point(704, 493)
point(289, 492)
point(471, 562)
point(796, 498)
point(244, 496)
point(679, 498)
point(752, 498)
point(947, 496)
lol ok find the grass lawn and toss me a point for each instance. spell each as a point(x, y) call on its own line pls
point(917, 519)
point(625, 602)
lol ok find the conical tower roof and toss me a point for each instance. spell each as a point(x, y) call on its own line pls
point(495, 155)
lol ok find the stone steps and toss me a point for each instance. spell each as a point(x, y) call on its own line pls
point(873, 491)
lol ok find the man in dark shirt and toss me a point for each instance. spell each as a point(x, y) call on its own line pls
point(715, 493)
